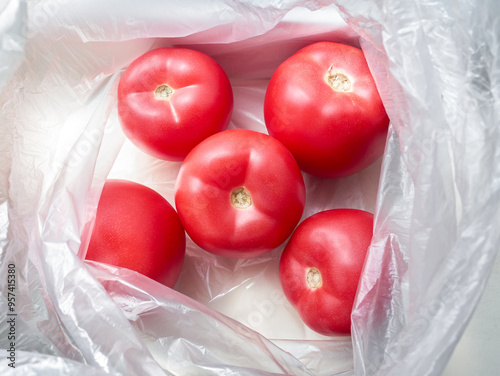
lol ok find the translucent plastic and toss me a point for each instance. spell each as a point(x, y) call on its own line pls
point(435, 192)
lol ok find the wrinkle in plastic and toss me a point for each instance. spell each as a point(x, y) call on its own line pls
point(434, 193)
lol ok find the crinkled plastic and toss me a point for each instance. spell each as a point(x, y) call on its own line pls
point(434, 193)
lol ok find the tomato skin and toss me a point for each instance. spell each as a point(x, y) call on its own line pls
point(200, 104)
point(334, 242)
point(221, 165)
point(331, 133)
point(137, 229)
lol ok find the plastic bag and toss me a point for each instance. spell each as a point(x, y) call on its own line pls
point(436, 68)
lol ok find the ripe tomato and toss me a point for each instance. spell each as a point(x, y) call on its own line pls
point(170, 99)
point(137, 229)
point(322, 103)
point(239, 193)
point(321, 265)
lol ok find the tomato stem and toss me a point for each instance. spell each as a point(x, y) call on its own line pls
point(314, 279)
point(163, 92)
point(240, 198)
point(338, 82)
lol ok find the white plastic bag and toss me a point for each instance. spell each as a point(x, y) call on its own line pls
point(438, 203)
point(437, 70)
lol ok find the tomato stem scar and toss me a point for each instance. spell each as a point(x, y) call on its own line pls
point(240, 198)
point(163, 92)
point(338, 81)
point(314, 279)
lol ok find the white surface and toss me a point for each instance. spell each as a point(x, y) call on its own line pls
point(477, 351)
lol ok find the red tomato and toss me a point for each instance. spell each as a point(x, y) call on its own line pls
point(137, 229)
point(322, 103)
point(239, 194)
point(321, 266)
point(170, 99)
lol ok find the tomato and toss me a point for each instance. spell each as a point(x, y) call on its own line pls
point(239, 194)
point(137, 229)
point(170, 99)
point(321, 266)
point(322, 103)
